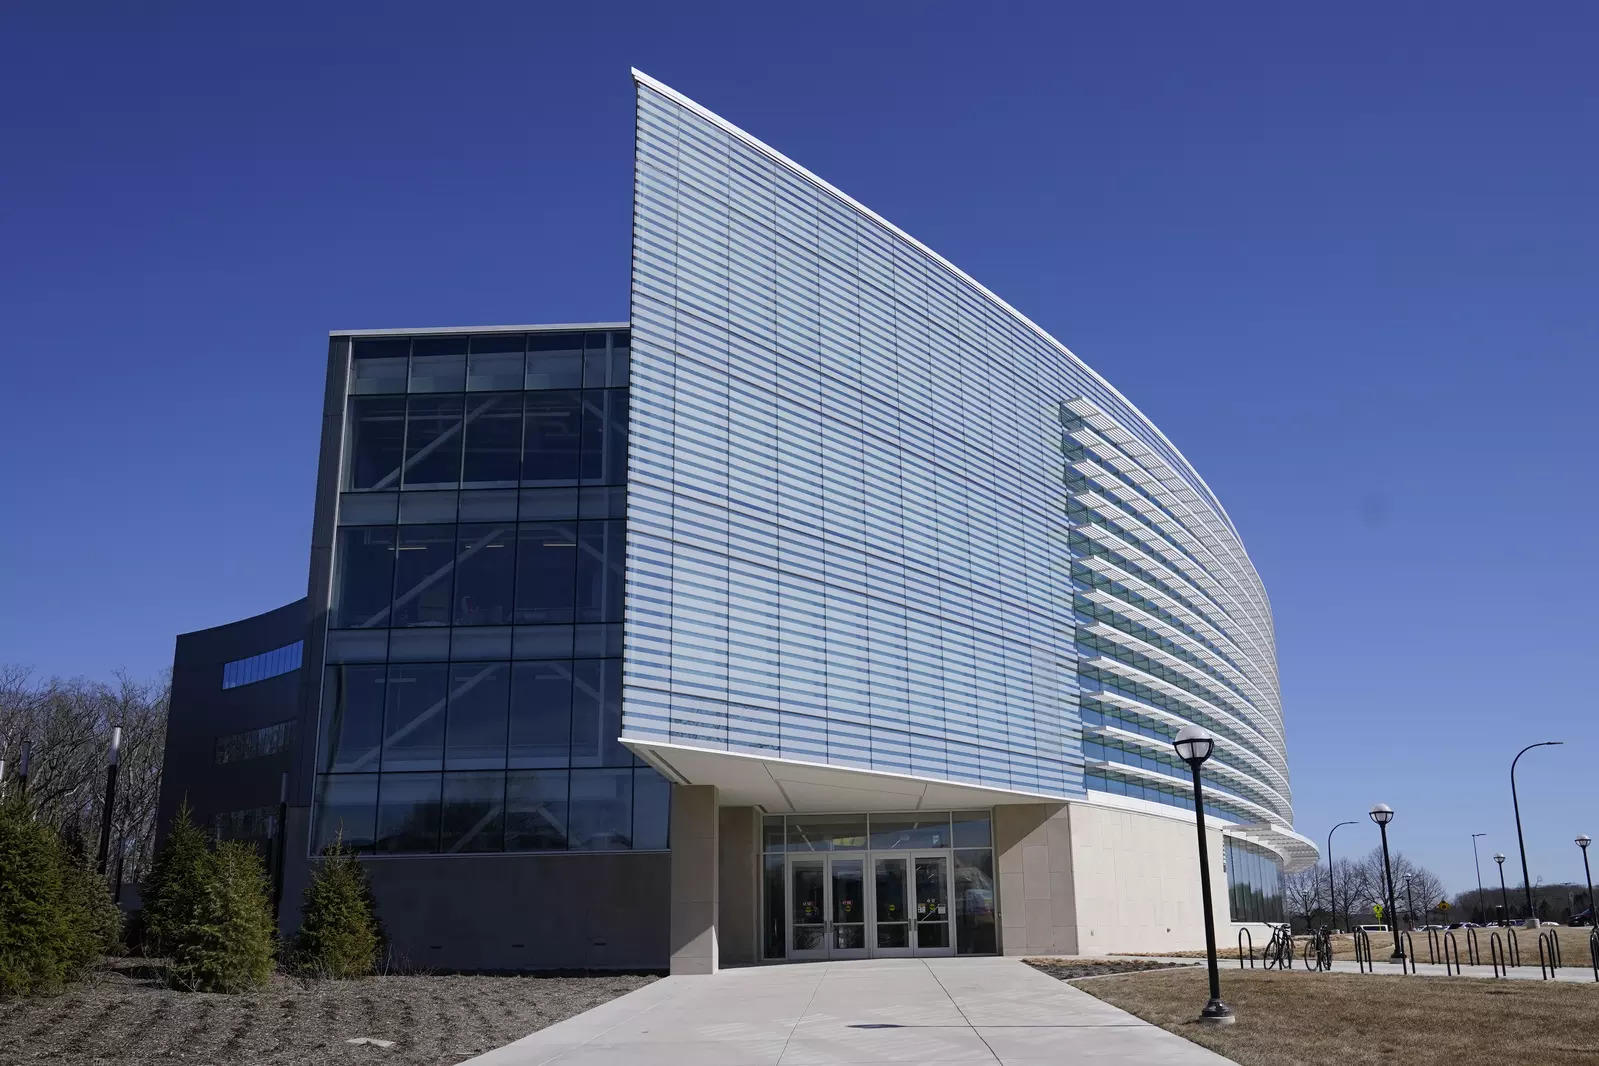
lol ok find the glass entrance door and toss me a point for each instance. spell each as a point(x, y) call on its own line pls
point(807, 909)
point(827, 907)
point(891, 933)
point(934, 926)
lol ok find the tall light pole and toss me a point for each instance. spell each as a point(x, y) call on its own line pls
point(1478, 865)
point(1504, 897)
point(1194, 746)
point(110, 796)
point(1593, 915)
point(1332, 891)
point(1382, 814)
point(22, 768)
point(1526, 881)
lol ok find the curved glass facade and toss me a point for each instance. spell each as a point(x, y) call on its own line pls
point(878, 519)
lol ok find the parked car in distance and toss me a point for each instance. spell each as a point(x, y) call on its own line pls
point(1375, 928)
point(1550, 925)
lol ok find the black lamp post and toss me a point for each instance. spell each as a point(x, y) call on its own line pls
point(1382, 814)
point(1593, 915)
point(1194, 746)
point(1332, 891)
point(1504, 897)
point(1526, 881)
point(1478, 865)
point(110, 797)
point(22, 768)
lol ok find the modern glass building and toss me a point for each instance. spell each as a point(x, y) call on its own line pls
point(827, 608)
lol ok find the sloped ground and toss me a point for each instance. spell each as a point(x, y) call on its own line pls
point(124, 1014)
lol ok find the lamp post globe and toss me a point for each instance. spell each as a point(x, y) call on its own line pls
point(1382, 814)
point(1193, 746)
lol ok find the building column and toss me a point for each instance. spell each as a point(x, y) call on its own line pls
point(694, 879)
point(737, 909)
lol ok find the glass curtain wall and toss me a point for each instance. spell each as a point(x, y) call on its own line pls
point(472, 695)
point(1254, 883)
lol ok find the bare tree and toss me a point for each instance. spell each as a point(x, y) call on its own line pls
point(1305, 895)
point(69, 724)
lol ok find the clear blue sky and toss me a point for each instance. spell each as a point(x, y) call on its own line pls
point(1348, 258)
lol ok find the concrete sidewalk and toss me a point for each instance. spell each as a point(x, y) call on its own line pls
point(947, 1011)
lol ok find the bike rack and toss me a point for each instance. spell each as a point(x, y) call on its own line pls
point(1432, 947)
point(1547, 971)
point(1496, 955)
point(1513, 955)
point(1473, 952)
point(1363, 951)
point(1410, 953)
point(1242, 933)
point(1451, 944)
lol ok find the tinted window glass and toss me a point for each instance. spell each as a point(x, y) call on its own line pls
point(485, 569)
point(551, 438)
point(346, 809)
point(438, 364)
point(413, 717)
point(423, 570)
point(546, 564)
point(554, 360)
point(495, 362)
point(408, 813)
point(601, 810)
point(604, 437)
point(535, 810)
point(474, 812)
point(379, 364)
point(479, 696)
point(377, 442)
point(433, 442)
point(363, 577)
point(601, 558)
point(597, 714)
point(541, 713)
point(652, 802)
point(493, 441)
point(352, 717)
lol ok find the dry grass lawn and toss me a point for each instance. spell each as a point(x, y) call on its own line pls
point(1352, 1020)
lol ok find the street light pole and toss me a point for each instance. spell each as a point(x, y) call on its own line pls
point(1504, 897)
point(1526, 881)
point(1194, 746)
point(1593, 915)
point(110, 796)
point(22, 768)
point(1332, 890)
point(1382, 814)
point(1478, 865)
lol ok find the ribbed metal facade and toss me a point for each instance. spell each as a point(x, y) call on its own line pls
point(864, 528)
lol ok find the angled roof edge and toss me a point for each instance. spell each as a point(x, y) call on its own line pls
point(832, 190)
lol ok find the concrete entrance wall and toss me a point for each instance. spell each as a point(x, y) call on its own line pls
point(1077, 879)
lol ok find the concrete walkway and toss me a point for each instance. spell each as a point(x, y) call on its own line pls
point(953, 1012)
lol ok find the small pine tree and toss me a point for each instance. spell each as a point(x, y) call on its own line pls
point(35, 938)
point(227, 946)
point(92, 915)
point(176, 883)
point(340, 935)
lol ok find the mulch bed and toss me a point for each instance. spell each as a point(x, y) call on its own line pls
point(1070, 969)
point(124, 1014)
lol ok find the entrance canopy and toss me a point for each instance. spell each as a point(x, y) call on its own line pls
point(784, 786)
